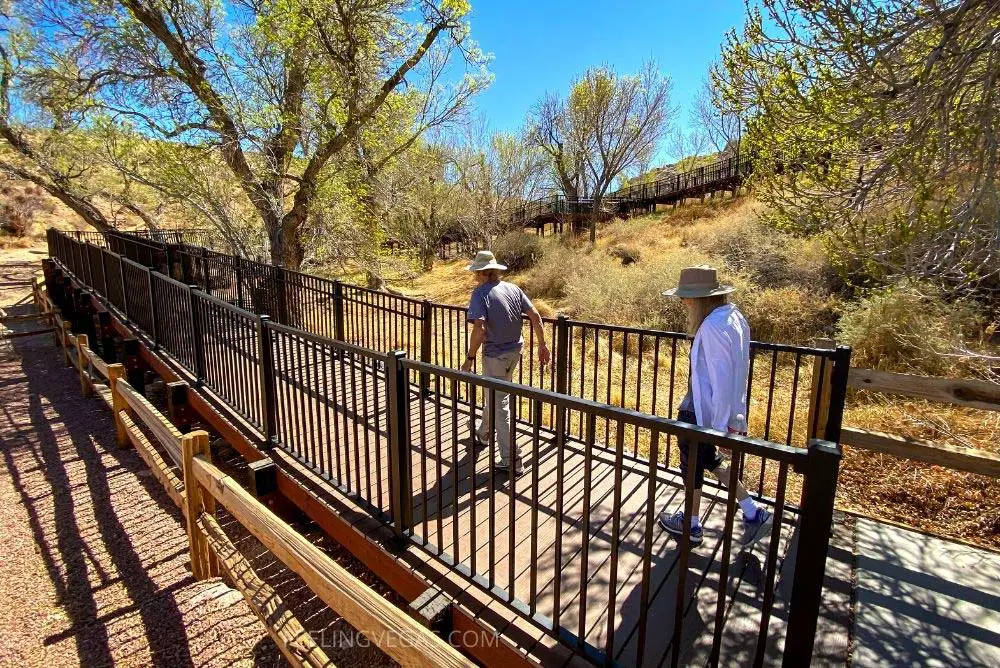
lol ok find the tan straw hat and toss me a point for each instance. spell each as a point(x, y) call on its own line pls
point(701, 281)
point(485, 260)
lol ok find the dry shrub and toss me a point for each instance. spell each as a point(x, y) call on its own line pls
point(768, 257)
point(790, 314)
point(549, 279)
point(625, 254)
point(913, 328)
point(600, 289)
point(517, 250)
point(17, 213)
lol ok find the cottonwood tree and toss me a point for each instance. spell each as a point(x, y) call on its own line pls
point(616, 122)
point(878, 123)
point(281, 88)
point(497, 173)
point(722, 127)
point(547, 129)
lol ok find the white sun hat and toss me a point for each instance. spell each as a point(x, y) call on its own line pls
point(485, 260)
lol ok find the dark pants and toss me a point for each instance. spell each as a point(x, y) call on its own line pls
point(708, 458)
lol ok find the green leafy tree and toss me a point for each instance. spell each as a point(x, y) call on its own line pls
point(879, 124)
point(281, 89)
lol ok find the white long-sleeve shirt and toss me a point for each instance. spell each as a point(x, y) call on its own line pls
point(720, 361)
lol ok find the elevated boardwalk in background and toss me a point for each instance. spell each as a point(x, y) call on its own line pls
point(725, 175)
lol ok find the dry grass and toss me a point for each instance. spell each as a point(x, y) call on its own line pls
point(795, 306)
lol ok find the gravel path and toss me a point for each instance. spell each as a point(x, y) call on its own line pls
point(94, 568)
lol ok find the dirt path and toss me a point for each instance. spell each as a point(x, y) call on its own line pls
point(94, 569)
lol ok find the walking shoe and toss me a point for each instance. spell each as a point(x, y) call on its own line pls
point(754, 530)
point(674, 524)
point(504, 467)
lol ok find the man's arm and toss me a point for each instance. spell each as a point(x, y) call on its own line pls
point(476, 340)
point(536, 324)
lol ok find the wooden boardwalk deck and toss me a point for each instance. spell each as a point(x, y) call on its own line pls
point(534, 554)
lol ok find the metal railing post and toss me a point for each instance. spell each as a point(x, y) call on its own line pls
point(280, 288)
point(838, 393)
point(155, 334)
point(338, 310)
point(819, 487)
point(562, 354)
point(196, 335)
point(426, 336)
point(204, 271)
point(400, 494)
point(238, 270)
point(268, 390)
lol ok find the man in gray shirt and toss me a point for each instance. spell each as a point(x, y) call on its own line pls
point(495, 311)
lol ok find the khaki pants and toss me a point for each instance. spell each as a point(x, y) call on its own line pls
point(503, 368)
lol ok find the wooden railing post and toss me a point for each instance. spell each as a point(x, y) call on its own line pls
point(562, 354)
point(196, 500)
point(819, 393)
point(66, 329)
point(83, 364)
point(268, 390)
point(116, 373)
point(178, 408)
point(819, 488)
point(400, 497)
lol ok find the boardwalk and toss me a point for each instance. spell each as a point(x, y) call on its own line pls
point(556, 544)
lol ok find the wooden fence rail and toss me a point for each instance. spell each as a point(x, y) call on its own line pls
point(964, 392)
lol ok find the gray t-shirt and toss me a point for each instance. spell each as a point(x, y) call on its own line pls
point(501, 305)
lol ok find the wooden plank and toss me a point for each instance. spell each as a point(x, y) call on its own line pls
point(161, 470)
point(165, 432)
point(959, 391)
point(99, 365)
point(396, 633)
point(284, 628)
point(33, 332)
point(940, 454)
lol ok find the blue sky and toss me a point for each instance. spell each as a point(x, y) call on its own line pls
point(541, 45)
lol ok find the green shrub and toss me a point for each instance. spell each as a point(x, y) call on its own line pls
point(517, 250)
point(912, 328)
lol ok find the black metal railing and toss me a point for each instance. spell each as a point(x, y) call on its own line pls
point(356, 386)
point(718, 175)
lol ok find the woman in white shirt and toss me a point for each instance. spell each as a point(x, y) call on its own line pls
point(716, 397)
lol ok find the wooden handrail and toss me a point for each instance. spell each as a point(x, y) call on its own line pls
point(396, 633)
point(950, 456)
point(958, 391)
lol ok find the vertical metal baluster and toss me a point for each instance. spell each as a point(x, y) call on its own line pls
point(735, 471)
point(772, 559)
point(557, 548)
point(455, 469)
point(536, 425)
point(366, 416)
point(588, 456)
point(440, 456)
point(647, 548)
point(615, 539)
